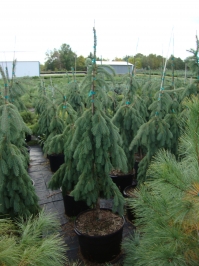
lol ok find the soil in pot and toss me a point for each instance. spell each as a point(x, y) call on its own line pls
point(122, 180)
point(129, 193)
point(72, 207)
point(56, 160)
point(99, 239)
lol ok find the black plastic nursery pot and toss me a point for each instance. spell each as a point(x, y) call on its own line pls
point(136, 166)
point(129, 211)
point(122, 181)
point(72, 207)
point(100, 249)
point(56, 160)
point(28, 148)
point(28, 137)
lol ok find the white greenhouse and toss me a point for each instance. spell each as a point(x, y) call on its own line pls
point(23, 68)
point(120, 67)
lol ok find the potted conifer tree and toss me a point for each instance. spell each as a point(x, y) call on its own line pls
point(128, 118)
point(67, 175)
point(97, 149)
point(92, 149)
point(17, 194)
point(162, 130)
point(52, 121)
point(167, 204)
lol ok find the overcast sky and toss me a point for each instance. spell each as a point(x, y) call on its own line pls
point(125, 27)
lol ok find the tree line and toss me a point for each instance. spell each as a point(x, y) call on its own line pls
point(64, 58)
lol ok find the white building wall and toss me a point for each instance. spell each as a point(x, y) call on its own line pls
point(23, 68)
point(120, 67)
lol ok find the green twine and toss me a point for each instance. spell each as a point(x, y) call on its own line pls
point(173, 111)
point(91, 93)
point(156, 113)
point(64, 106)
point(6, 97)
point(92, 101)
point(127, 102)
point(6, 85)
point(64, 97)
point(162, 89)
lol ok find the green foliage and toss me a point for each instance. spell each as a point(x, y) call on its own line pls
point(53, 120)
point(64, 58)
point(152, 135)
point(95, 78)
point(33, 241)
point(12, 126)
point(166, 207)
point(175, 62)
point(97, 149)
point(29, 118)
point(162, 105)
point(67, 175)
point(128, 120)
point(74, 97)
point(17, 195)
point(13, 88)
point(193, 61)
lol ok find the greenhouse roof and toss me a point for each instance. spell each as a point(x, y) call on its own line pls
point(121, 63)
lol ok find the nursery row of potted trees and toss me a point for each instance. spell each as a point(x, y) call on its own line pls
point(100, 143)
point(99, 139)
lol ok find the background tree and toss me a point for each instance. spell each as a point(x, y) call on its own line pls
point(64, 58)
point(179, 64)
point(67, 56)
point(53, 60)
point(80, 63)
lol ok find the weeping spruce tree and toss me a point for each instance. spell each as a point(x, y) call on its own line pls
point(17, 194)
point(129, 117)
point(162, 130)
point(58, 116)
point(167, 206)
point(96, 145)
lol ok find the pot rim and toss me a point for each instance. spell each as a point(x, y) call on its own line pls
point(130, 186)
point(97, 237)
